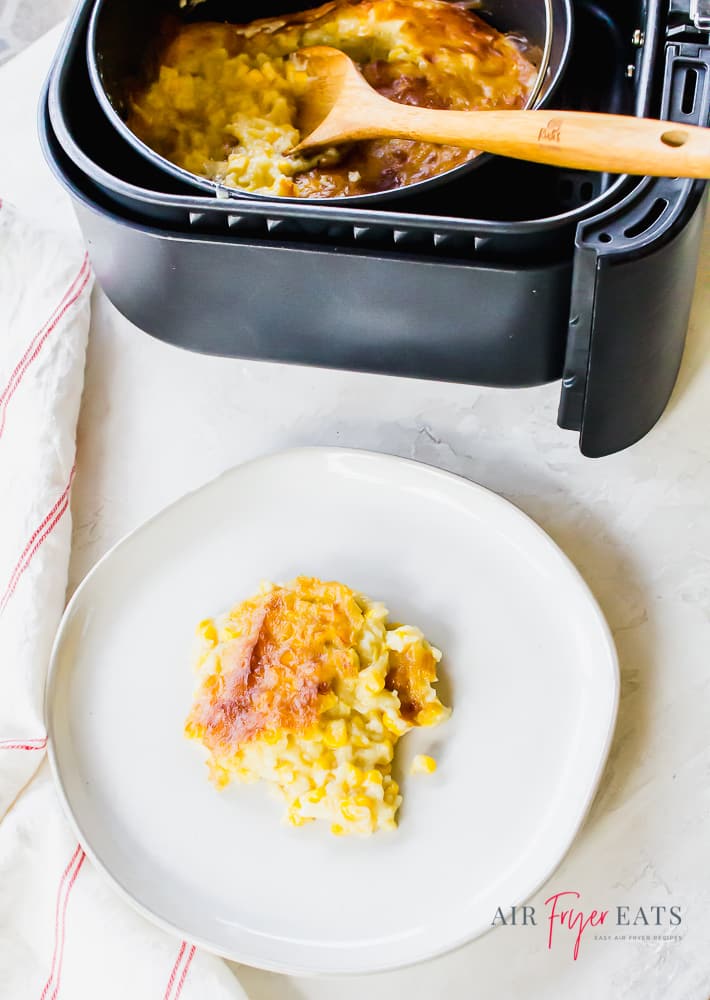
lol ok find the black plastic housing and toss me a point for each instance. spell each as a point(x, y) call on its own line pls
point(514, 275)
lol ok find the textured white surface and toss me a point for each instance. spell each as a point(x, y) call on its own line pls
point(156, 422)
point(22, 21)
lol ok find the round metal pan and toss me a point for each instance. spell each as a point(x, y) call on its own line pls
point(120, 35)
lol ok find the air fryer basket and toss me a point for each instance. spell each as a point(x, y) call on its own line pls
point(493, 211)
point(543, 272)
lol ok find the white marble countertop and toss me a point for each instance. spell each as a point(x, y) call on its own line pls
point(22, 21)
point(636, 524)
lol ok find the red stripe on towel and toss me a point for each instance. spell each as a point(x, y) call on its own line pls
point(38, 536)
point(65, 886)
point(60, 962)
point(185, 970)
point(173, 974)
point(23, 744)
point(41, 330)
point(35, 346)
point(184, 960)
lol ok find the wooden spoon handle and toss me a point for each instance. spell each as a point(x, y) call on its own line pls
point(583, 140)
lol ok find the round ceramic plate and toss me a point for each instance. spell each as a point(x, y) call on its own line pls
point(529, 667)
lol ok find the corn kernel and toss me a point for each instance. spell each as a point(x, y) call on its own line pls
point(347, 811)
point(429, 716)
point(218, 775)
point(353, 775)
point(373, 777)
point(374, 683)
point(336, 734)
point(337, 830)
point(207, 630)
point(423, 764)
point(316, 796)
point(328, 701)
point(394, 727)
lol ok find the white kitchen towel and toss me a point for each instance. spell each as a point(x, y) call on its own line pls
point(64, 934)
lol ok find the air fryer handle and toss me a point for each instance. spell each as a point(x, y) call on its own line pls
point(633, 281)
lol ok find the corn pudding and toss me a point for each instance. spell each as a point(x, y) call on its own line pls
point(223, 102)
point(308, 688)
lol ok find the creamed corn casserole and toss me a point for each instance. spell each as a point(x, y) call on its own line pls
point(224, 103)
point(307, 687)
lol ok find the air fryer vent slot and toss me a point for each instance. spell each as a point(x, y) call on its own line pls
point(648, 219)
point(690, 87)
point(414, 239)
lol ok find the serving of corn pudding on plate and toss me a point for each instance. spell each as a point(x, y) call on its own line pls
point(329, 712)
point(307, 688)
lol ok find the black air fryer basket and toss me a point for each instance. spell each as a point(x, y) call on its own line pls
point(515, 274)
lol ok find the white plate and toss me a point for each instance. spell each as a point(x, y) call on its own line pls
point(529, 666)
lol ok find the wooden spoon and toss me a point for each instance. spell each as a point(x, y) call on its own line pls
point(340, 106)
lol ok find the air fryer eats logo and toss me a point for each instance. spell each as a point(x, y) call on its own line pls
point(551, 131)
point(566, 919)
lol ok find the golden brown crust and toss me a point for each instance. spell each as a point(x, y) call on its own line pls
point(412, 672)
point(294, 642)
